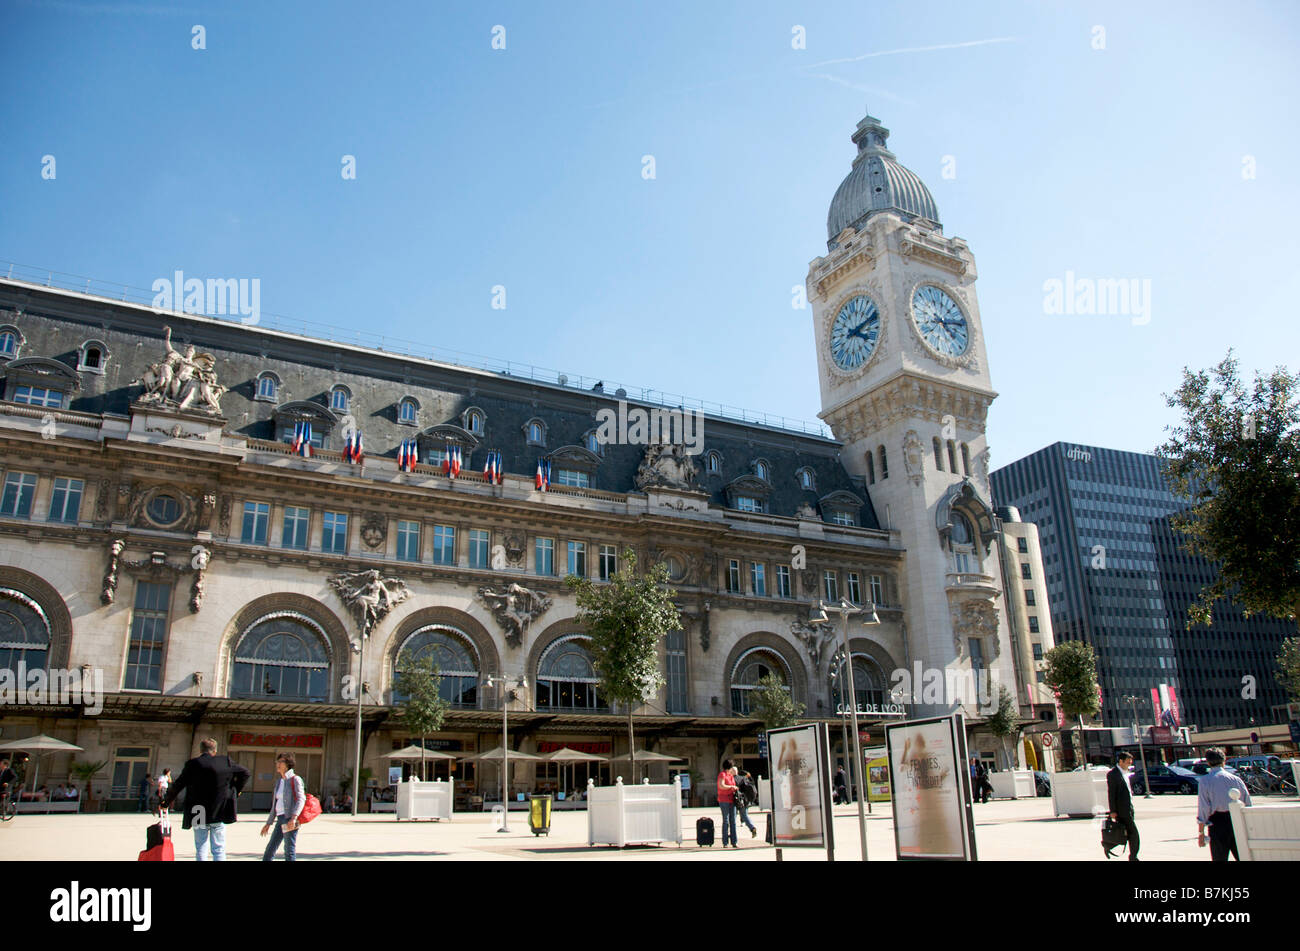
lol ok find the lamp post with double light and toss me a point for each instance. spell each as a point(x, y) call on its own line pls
point(846, 609)
point(520, 683)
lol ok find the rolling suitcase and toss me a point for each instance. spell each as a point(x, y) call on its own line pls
point(704, 831)
point(158, 842)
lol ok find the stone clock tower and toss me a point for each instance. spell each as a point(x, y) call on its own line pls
point(905, 386)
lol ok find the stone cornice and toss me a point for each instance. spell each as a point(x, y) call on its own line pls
point(908, 396)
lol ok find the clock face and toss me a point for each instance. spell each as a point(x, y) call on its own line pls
point(940, 321)
point(855, 332)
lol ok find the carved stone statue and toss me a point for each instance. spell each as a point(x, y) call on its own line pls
point(514, 608)
point(913, 456)
point(975, 619)
point(110, 574)
point(667, 465)
point(182, 380)
point(806, 511)
point(814, 638)
point(369, 596)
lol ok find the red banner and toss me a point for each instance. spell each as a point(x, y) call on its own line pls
point(596, 749)
point(294, 740)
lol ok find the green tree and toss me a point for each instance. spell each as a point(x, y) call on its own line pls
point(1235, 458)
point(626, 619)
point(772, 704)
point(424, 708)
point(1072, 673)
point(1005, 721)
point(1288, 667)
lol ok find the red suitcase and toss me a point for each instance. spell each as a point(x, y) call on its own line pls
point(158, 842)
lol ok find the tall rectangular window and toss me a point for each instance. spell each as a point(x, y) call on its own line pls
point(1022, 546)
point(608, 562)
point(480, 543)
point(1029, 597)
point(408, 541)
point(831, 584)
point(783, 581)
point(1038, 651)
point(148, 637)
point(855, 589)
point(733, 576)
point(65, 502)
point(1024, 571)
point(976, 654)
point(578, 559)
point(1033, 624)
point(334, 533)
point(256, 517)
point(758, 579)
point(444, 544)
point(296, 521)
point(877, 590)
point(676, 644)
point(544, 556)
point(20, 488)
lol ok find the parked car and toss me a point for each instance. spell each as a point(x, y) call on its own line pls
point(1166, 779)
point(1042, 783)
point(1271, 763)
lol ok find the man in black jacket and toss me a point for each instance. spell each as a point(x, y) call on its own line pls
point(1120, 795)
point(211, 784)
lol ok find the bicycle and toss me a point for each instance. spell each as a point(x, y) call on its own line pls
point(8, 807)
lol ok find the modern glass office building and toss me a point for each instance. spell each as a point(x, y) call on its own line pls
point(1117, 578)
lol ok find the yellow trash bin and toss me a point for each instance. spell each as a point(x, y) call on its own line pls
point(539, 815)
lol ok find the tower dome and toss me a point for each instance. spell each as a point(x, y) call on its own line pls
point(876, 183)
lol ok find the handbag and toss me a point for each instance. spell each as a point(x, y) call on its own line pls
point(1113, 835)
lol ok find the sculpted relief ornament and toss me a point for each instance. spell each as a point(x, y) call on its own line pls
point(515, 608)
point(814, 637)
point(669, 466)
point(182, 381)
point(913, 457)
point(369, 596)
point(975, 619)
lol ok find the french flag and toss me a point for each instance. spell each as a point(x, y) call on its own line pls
point(492, 467)
point(352, 451)
point(451, 464)
point(302, 440)
point(543, 475)
point(407, 455)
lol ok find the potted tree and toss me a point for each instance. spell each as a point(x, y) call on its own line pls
point(85, 772)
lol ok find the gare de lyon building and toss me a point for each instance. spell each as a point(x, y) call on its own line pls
point(156, 524)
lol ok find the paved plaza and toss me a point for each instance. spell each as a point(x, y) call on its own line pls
point(1012, 830)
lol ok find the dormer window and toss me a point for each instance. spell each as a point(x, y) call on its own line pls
point(762, 470)
point(38, 396)
point(592, 442)
point(340, 399)
point(712, 463)
point(93, 357)
point(535, 432)
point(475, 420)
point(268, 387)
point(806, 480)
point(10, 341)
point(408, 411)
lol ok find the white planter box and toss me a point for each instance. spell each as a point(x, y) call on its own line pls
point(424, 800)
point(620, 815)
point(1266, 833)
point(1081, 793)
point(1013, 784)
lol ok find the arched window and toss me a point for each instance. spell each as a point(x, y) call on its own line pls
point(868, 684)
point(566, 677)
point(753, 666)
point(475, 421)
point(965, 558)
point(453, 656)
point(592, 442)
point(93, 356)
point(24, 633)
point(871, 470)
point(339, 399)
point(712, 463)
point(965, 460)
point(762, 470)
point(535, 432)
point(884, 463)
point(407, 411)
point(9, 342)
point(806, 480)
point(282, 657)
point(938, 454)
point(952, 456)
point(267, 385)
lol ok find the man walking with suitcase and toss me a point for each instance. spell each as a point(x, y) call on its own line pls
point(1121, 802)
point(211, 785)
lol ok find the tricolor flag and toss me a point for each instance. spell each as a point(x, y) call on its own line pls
point(407, 455)
point(452, 461)
point(352, 451)
point(543, 474)
point(492, 467)
point(302, 439)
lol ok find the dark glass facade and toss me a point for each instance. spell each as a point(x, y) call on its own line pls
point(1117, 579)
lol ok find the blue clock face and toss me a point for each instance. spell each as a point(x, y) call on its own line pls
point(940, 321)
point(855, 332)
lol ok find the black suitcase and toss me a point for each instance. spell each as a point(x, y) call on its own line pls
point(704, 831)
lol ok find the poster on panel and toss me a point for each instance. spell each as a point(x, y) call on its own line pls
point(798, 757)
point(930, 786)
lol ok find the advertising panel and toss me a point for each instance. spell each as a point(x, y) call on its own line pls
point(932, 814)
point(798, 758)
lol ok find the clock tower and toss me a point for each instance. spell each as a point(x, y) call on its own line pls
point(905, 386)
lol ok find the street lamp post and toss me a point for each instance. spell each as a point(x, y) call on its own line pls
point(845, 609)
point(521, 684)
point(1146, 782)
point(360, 650)
point(837, 676)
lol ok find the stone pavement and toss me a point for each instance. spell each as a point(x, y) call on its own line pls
point(1022, 830)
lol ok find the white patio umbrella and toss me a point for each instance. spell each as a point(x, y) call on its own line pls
point(499, 755)
point(40, 745)
point(417, 754)
point(649, 756)
point(573, 757)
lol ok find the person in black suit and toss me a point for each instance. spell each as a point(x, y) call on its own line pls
point(1121, 801)
point(211, 784)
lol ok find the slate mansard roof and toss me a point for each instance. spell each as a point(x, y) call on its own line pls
point(56, 324)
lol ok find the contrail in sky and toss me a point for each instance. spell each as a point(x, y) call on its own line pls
point(915, 49)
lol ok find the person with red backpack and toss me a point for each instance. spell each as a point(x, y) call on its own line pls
point(287, 805)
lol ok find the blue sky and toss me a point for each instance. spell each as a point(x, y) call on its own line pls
point(522, 167)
